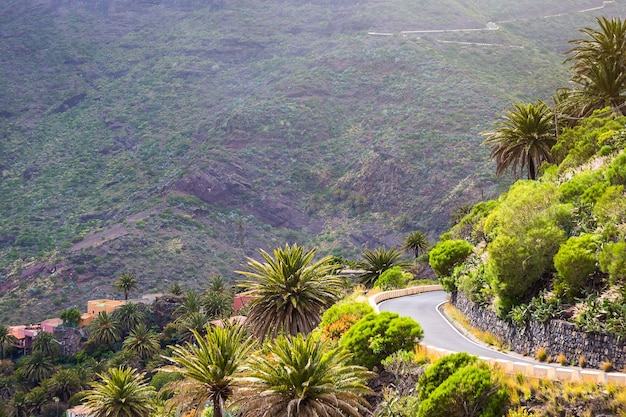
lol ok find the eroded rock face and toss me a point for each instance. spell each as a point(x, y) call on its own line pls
point(231, 185)
point(221, 183)
point(164, 309)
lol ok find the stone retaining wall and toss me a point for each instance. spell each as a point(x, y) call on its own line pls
point(555, 336)
point(477, 315)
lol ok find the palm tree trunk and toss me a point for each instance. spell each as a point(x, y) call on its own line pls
point(218, 405)
point(531, 169)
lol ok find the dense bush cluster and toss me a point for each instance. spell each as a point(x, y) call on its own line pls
point(376, 336)
point(550, 243)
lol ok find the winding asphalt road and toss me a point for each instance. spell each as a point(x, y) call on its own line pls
point(438, 332)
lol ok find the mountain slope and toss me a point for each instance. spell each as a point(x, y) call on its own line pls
point(172, 138)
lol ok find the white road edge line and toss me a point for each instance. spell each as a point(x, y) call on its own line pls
point(461, 334)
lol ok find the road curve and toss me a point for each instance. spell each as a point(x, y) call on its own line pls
point(438, 331)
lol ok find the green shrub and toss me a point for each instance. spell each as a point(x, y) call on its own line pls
point(473, 281)
point(376, 336)
point(527, 205)
point(448, 254)
point(400, 363)
point(394, 405)
point(575, 262)
point(471, 226)
point(605, 150)
point(393, 278)
point(441, 370)
point(520, 315)
point(616, 172)
point(578, 184)
point(578, 144)
point(345, 307)
point(161, 378)
point(593, 193)
point(546, 306)
point(516, 264)
point(449, 283)
point(612, 261)
point(611, 206)
point(470, 391)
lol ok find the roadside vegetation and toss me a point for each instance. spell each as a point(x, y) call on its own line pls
point(552, 246)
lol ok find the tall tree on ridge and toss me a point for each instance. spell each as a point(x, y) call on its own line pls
point(416, 242)
point(126, 283)
point(522, 139)
point(598, 70)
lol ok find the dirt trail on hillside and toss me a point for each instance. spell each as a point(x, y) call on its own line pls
point(488, 26)
point(111, 233)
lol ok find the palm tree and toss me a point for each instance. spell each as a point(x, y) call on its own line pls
point(217, 305)
point(4, 409)
point(210, 367)
point(217, 301)
point(126, 283)
point(192, 303)
point(71, 317)
point(104, 330)
point(127, 317)
point(295, 376)
point(598, 68)
point(142, 342)
point(189, 323)
point(9, 385)
point(176, 289)
point(292, 291)
point(35, 399)
point(65, 383)
point(46, 343)
point(122, 392)
point(217, 285)
point(6, 338)
point(37, 367)
point(417, 242)
point(374, 263)
point(19, 405)
point(522, 139)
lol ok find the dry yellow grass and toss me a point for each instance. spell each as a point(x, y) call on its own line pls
point(486, 337)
